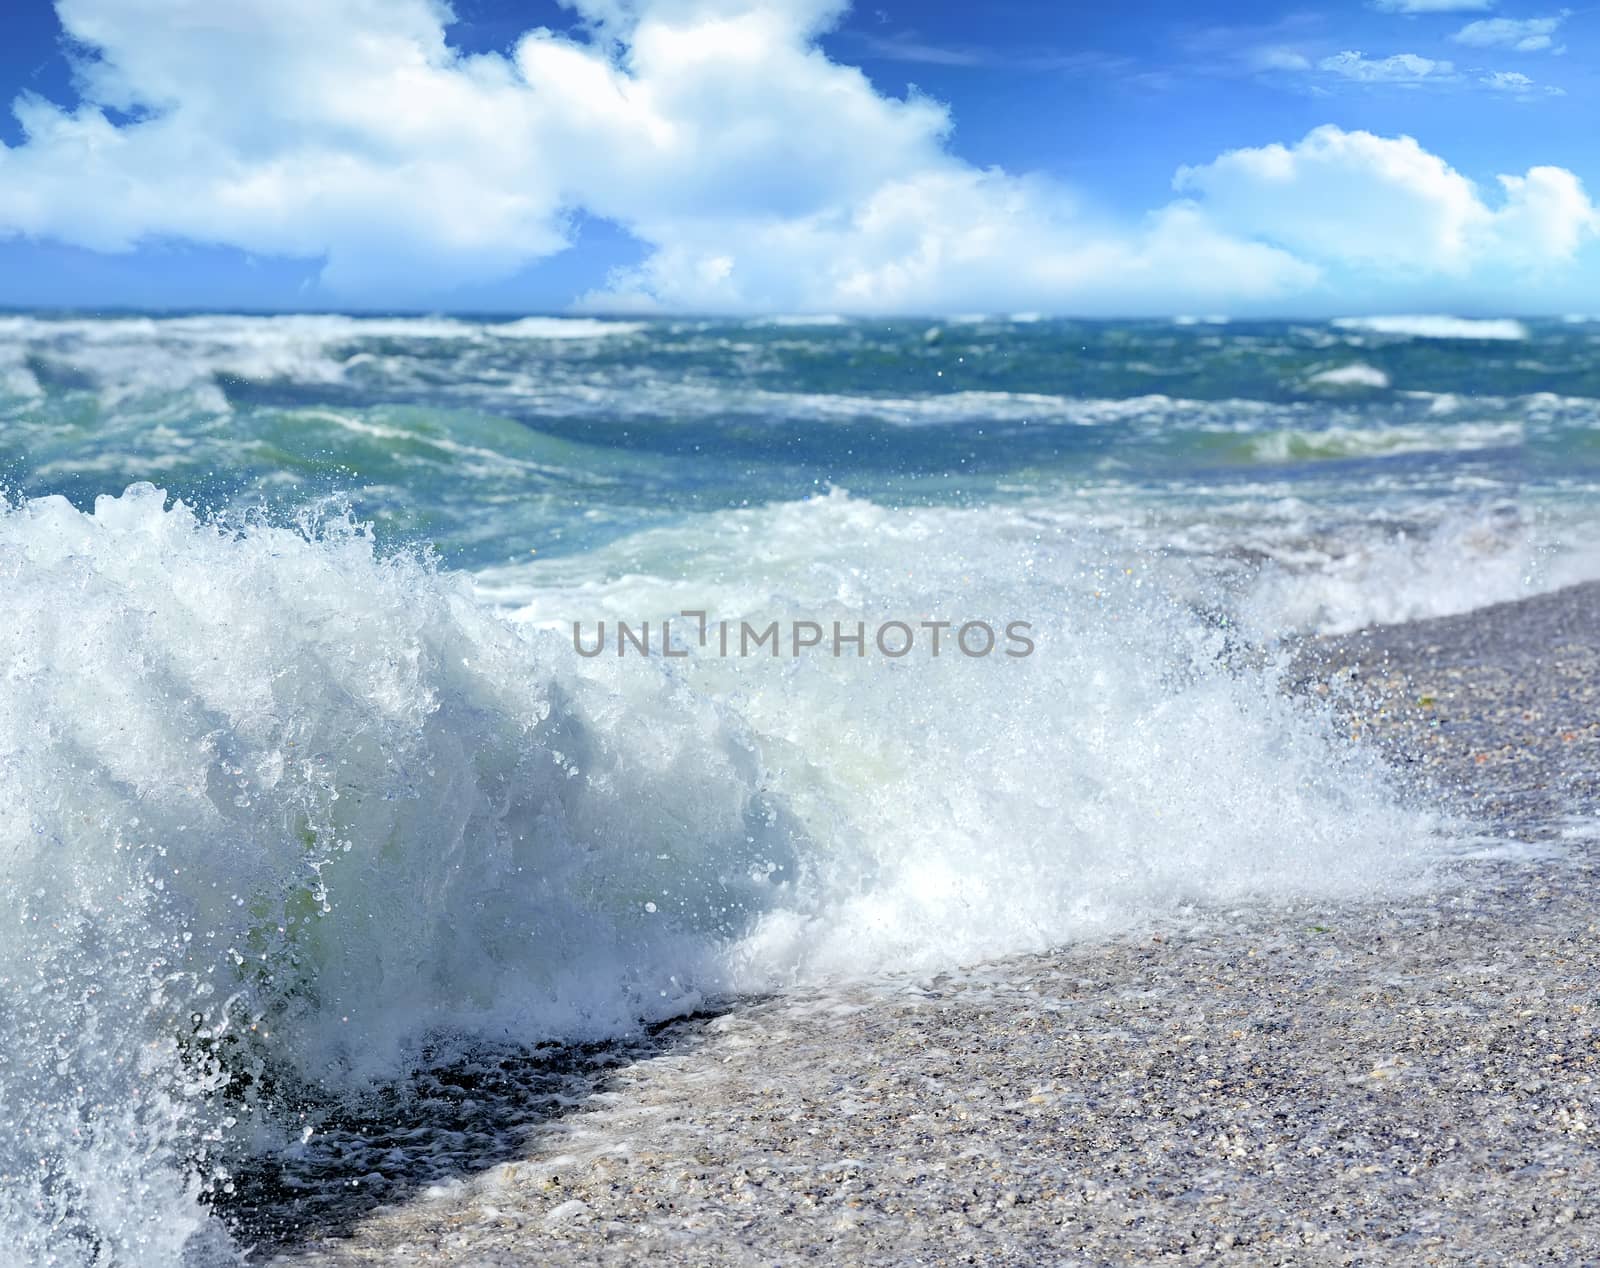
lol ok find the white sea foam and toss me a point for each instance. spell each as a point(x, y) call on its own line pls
point(1270, 554)
point(1336, 441)
point(269, 797)
point(18, 381)
point(1437, 327)
point(1465, 561)
point(562, 328)
point(1356, 374)
point(800, 320)
point(133, 356)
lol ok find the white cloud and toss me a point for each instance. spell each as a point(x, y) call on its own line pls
point(1545, 219)
point(1277, 59)
point(1529, 35)
point(949, 240)
point(1432, 6)
point(1362, 202)
point(1507, 81)
point(757, 173)
point(1519, 85)
point(372, 143)
point(1402, 68)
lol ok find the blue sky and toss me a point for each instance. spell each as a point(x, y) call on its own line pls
point(724, 154)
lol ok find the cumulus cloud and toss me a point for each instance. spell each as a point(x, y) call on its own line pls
point(1528, 35)
point(1402, 68)
point(757, 173)
point(372, 143)
point(1385, 204)
point(951, 239)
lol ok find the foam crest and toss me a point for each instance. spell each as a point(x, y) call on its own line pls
point(139, 355)
point(270, 798)
point(279, 806)
point(1005, 804)
point(1433, 326)
point(1464, 561)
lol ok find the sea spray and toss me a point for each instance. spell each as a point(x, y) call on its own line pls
point(272, 799)
point(278, 805)
point(1143, 756)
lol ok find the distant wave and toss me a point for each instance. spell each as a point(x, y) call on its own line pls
point(1437, 327)
point(561, 328)
point(801, 320)
point(1356, 374)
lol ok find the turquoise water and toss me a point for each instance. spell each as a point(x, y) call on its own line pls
point(303, 782)
point(491, 439)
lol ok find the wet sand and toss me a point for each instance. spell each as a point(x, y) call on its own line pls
point(1410, 1080)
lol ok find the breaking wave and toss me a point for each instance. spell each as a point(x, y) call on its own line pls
point(278, 805)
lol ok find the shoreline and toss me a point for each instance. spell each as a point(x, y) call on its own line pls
point(1412, 1079)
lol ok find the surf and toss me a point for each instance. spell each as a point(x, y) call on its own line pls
point(282, 804)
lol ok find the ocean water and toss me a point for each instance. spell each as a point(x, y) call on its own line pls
point(304, 778)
